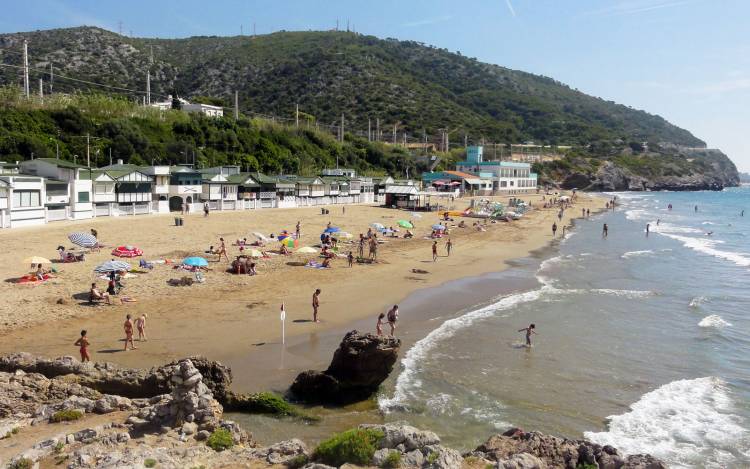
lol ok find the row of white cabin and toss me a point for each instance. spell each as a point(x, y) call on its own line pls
point(44, 190)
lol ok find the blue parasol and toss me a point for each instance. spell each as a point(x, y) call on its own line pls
point(195, 262)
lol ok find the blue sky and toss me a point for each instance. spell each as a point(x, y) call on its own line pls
point(687, 60)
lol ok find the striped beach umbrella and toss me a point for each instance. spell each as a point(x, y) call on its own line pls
point(112, 266)
point(289, 242)
point(84, 240)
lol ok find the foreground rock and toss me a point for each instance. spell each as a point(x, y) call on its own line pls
point(518, 449)
point(416, 448)
point(360, 364)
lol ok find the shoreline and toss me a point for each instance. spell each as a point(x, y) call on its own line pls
point(230, 324)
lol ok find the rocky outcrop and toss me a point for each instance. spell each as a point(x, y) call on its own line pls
point(416, 448)
point(517, 448)
point(113, 379)
point(360, 364)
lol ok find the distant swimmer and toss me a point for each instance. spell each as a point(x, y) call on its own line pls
point(669, 207)
point(696, 209)
point(658, 220)
point(709, 233)
point(742, 213)
point(648, 228)
point(605, 231)
point(528, 330)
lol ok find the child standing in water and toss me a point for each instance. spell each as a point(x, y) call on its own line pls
point(379, 325)
point(529, 330)
point(83, 343)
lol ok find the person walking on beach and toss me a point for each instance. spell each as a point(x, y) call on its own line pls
point(297, 229)
point(449, 246)
point(554, 229)
point(583, 213)
point(361, 245)
point(374, 247)
point(379, 324)
point(140, 325)
point(605, 231)
point(343, 209)
point(128, 326)
point(205, 209)
point(223, 249)
point(528, 330)
point(648, 228)
point(316, 304)
point(434, 251)
point(83, 344)
point(588, 213)
point(350, 259)
point(392, 319)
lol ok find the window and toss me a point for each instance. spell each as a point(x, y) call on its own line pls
point(83, 197)
point(26, 199)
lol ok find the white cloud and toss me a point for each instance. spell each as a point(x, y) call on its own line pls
point(427, 21)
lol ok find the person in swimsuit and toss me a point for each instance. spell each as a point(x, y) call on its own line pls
point(554, 229)
point(361, 245)
point(350, 258)
point(393, 318)
point(528, 330)
point(223, 250)
point(434, 251)
point(316, 304)
point(140, 325)
point(128, 326)
point(449, 246)
point(648, 229)
point(83, 344)
point(605, 231)
point(379, 324)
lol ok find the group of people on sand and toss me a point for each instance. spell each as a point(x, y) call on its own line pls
point(448, 249)
point(139, 325)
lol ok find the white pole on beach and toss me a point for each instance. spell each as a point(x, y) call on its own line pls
point(283, 324)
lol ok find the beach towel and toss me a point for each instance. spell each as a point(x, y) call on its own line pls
point(314, 265)
point(33, 280)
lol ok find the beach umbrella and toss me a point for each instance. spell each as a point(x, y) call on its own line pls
point(112, 266)
point(84, 240)
point(283, 235)
point(289, 242)
point(307, 250)
point(36, 260)
point(261, 236)
point(195, 262)
point(377, 226)
point(254, 253)
point(438, 227)
point(332, 229)
point(127, 251)
point(404, 224)
point(344, 235)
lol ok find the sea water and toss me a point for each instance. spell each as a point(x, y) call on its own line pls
point(643, 341)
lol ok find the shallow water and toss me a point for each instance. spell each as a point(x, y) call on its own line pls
point(642, 341)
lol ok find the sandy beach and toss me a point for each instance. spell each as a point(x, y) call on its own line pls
point(231, 315)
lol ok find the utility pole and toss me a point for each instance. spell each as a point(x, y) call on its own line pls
point(151, 55)
point(148, 87)
point(57, 149)
point(236, 105)
point(342, 126)
point(253, 29)
point(88, 151)
point(110, 156)
point(26, 68)
point(119, 27)
point(296, 117)
point(337, 24)
point(51, 77)
point(242, 33)
point(377, 128)
point(369, 130)
point(41, 90)
point(394, 133)
point(466, 141)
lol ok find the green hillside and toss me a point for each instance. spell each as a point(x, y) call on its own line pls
point(421, 88)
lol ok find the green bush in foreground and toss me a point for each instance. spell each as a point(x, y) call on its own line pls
point(66, 416)
point(393, 460)
point(220, 440)
point(297, 461)
point(23, 463)
point(354, 446)
point(149, 462)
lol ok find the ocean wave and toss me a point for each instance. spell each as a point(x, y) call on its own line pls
point(706, 246)
point(636, 214)
point(624, 293)
point(636, 253)
point(708, 223)
point(664, 228)
point(714, 321)
point(688, 423)
point(698, 301)
point(408, 381)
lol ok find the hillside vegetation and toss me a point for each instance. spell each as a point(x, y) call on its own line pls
point(418, 87)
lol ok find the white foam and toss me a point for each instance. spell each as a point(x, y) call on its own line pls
point(687, 423)
point(634, 294)
point(714, 321)
point(407, 381)
point(636, 214)
point(636, 253)
point(664, 228)
point(698, 301)
point(706, 246)
point(708, 223)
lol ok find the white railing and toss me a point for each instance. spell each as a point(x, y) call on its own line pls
point(268, 195)
point(57, 214)
point(102, 210)
point(141, 209)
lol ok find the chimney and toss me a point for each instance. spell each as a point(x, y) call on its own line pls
point(119, 161)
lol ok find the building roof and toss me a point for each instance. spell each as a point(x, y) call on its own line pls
point(61, 163)
point(242, 179)
point(460, 174)
point(403, 190)
point(117, 173)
